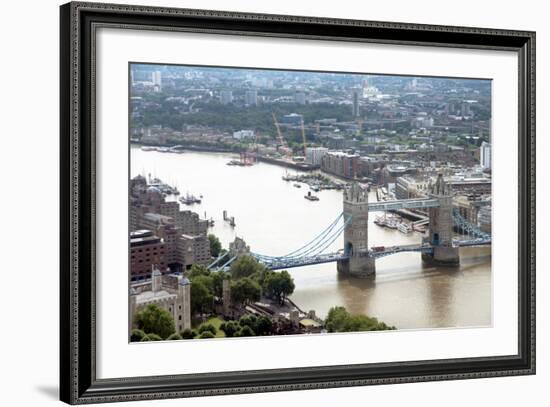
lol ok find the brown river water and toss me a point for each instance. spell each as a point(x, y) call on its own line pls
point(273, 217)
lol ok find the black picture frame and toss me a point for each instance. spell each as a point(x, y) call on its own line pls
point(78, 382)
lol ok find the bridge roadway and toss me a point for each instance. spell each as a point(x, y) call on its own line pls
point(283, 263)
point(403, 204)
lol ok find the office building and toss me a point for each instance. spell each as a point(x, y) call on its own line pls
point(485, 155)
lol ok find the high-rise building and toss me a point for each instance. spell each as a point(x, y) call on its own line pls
point(300, 98)
point(485, 155)
point(226, 97)
point(157, 80)
point(251, 98)
point(314, 155)
point(355, 95)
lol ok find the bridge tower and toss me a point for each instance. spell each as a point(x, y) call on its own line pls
point(440, 232)
point(356, 206)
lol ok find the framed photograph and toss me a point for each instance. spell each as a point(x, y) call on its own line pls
point(255, 203)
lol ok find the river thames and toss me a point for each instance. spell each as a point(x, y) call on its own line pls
point(273, 217)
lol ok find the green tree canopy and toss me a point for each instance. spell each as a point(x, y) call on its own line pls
point(217, 282)
point(215, 245)
point(136, 335)
point(207, 327)
point(188, 334)
point(198, 270)
point(340, 320)
point(229, 328)
point(155, 320)
point(278, 285)
point(245, 331)
point(245, 290)
point(245, 266)
point(174, 337)
point(206, 335)
point(151, 337)
point(201, 296)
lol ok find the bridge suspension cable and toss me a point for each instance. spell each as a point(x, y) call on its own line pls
point(321, 242)
point(465, 226)
point(308, 247)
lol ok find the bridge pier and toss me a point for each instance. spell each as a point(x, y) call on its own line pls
point(443, 256)
point(357, 266)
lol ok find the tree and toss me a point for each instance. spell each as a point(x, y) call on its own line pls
point(245, 290)
point(198, 270)
point(207, 327)
point(217, 282)
point(340, 320)
point(174, 337)
point(278, 285)
point(188, 333)
point(336, 319)
point(215, 245)
point(155, 320)
point(248, 320)
point(136, 335)
point(263, 326)
point(245, 331)
point(151, 337)
point(201, 298)
point(206, 335)
point(229, 328)
point(245, 266)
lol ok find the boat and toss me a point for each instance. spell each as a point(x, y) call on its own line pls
point(163, 149)
point(148, 148)
point(311, 197)
point(388, 222)
point(189, 199)
point(297, 186)
point(404, 228)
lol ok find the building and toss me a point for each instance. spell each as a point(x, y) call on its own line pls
point(485, 155)
point(154, 221)
point(171, 292)
point(251, 98)
point(243, 134)
point(408, 187)
point(157, 80)
point(150, 200)
point(146, 250)
point(226, 97)
point(314, 155)
point(300, 98)
point(341, 164)
point(170, 236)
point(355, 97)
point(193, 250)
point(294, 119)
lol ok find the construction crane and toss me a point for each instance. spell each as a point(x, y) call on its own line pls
point(304, 137)
point(279, 134)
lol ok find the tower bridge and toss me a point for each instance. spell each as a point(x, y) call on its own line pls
point(356, 257)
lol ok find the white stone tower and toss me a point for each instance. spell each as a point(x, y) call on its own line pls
point(356, 236)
